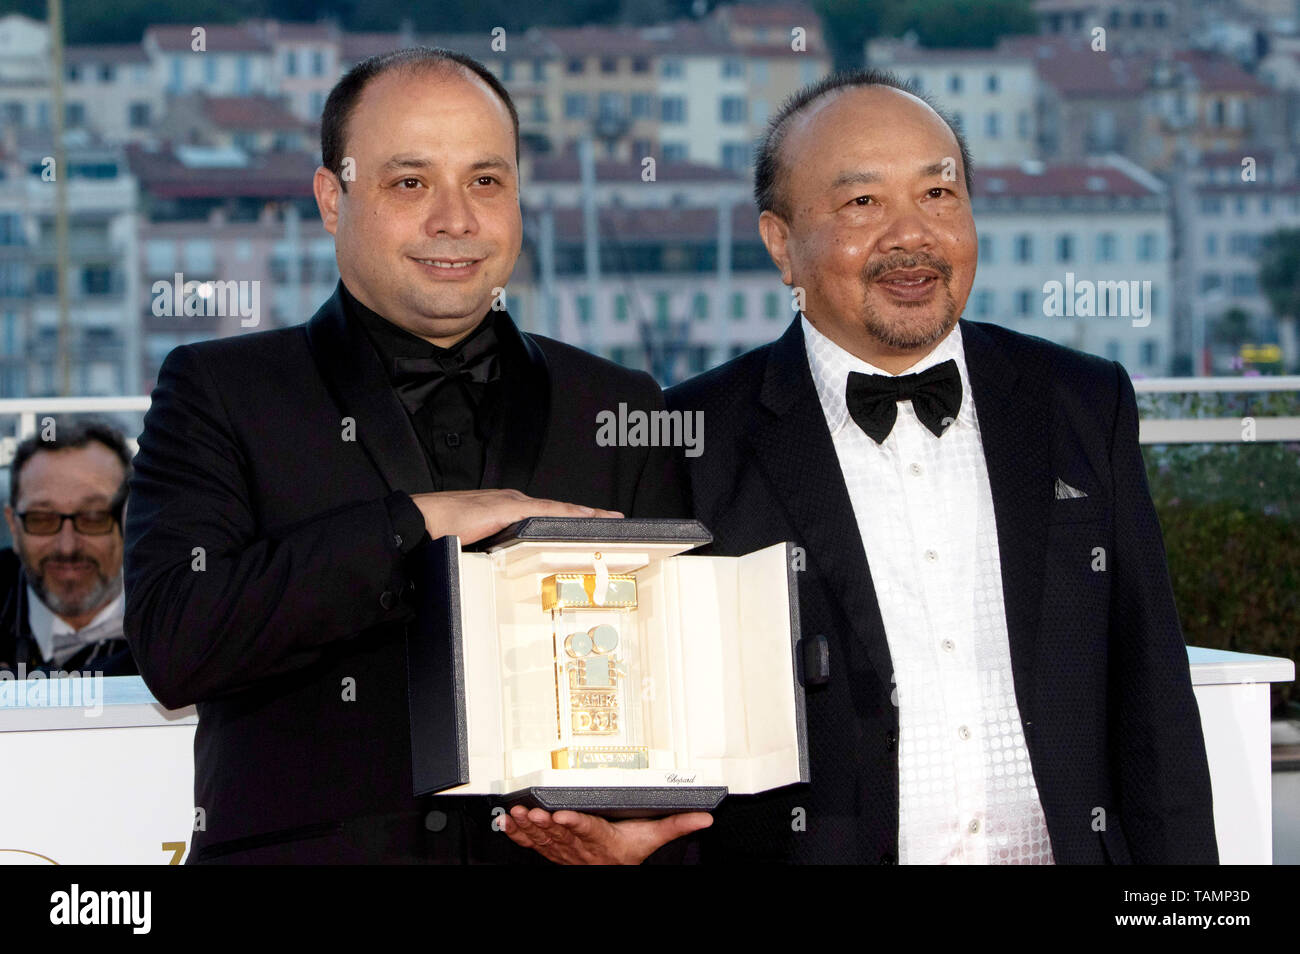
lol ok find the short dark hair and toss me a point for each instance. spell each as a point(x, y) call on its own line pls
point(767, 164)
point(347, 91)
point(70, 434)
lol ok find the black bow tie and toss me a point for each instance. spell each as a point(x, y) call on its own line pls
point(935, 394)
point(415, 379)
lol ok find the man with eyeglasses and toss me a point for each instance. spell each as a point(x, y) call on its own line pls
point(61, 582)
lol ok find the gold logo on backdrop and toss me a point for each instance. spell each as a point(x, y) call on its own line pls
point(24, 857)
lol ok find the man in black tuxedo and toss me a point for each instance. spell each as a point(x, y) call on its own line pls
point(1007, 682)
point(284, 479)
point(61, 583)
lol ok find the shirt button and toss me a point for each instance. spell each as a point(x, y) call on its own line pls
point(397, 540)
point(891, 739)
point(963, 733)
point(948, 645)
point(435, 821)
point(916, 470)
point(453, 440)
point(931, 555)
point(974, 826)
point(388, 599)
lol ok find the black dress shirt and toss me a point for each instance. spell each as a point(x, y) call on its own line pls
point(453, 413)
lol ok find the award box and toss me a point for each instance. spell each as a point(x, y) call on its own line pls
point(592, 664)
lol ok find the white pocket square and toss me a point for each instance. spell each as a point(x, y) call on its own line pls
point(1064, 491)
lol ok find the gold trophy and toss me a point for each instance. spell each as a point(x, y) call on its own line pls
point(592, 619)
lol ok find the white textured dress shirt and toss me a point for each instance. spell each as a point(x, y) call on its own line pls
point(924, 508)
point(58, 641)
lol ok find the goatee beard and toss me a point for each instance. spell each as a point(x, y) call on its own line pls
point(103, 591)
point(903, 336)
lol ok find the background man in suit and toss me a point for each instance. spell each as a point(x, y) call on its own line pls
point(61, 583)
point(1008, 682)
point(284, 478)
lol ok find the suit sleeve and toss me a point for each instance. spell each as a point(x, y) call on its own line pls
point(212, 605)
point(1165, 804)
point(661, 487)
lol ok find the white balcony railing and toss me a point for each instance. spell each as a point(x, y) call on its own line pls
point(19, 417)
point(1217, 430)
point(25, 414)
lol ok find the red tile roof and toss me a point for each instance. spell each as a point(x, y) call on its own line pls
point(249, 112)
point(268, 176)
point(632, 225)
point(1216, 73)
point(220, 38)
point(528, 44)
point(301, 32)
point(1062, 180)
point(1075, 69)
point(1069, 65)
point(358, 46)
point(566, 169)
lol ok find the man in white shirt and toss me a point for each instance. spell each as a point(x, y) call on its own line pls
point(61, 584)
point(1008, 682)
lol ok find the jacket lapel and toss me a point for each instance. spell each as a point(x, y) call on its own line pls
point(355, 377)
point(516, 441)
point(1015, 425)
point(794, 449)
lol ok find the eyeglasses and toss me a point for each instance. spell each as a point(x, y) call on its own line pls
point(46, 523)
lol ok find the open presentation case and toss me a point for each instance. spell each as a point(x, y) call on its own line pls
point(587, 664)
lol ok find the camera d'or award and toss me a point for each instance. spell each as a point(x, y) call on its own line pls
point(596, 665)
point(593, 625)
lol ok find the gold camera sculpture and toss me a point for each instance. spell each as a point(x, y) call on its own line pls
point(597, 723)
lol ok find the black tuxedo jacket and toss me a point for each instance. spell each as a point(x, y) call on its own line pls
point(265, 584)
point(1100, 668)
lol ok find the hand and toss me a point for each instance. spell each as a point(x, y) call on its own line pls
point(571, 838)
point(475, 514)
